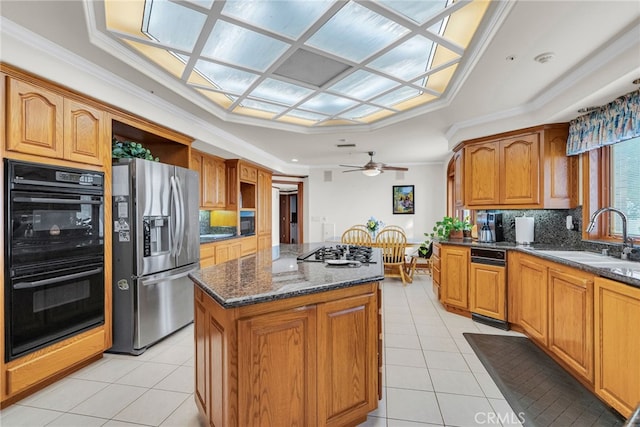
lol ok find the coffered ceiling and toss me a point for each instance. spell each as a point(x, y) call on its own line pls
point(591, 53)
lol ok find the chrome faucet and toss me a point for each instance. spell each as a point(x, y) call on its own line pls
point(627, 242)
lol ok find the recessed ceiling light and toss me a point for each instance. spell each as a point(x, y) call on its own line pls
point(544, 57)
point(294, 160)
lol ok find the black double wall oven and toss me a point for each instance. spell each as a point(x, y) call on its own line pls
point(54, 254)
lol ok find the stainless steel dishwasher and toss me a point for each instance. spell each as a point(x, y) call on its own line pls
point(488, 287)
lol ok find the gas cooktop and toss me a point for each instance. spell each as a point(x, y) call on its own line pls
point(357, 253)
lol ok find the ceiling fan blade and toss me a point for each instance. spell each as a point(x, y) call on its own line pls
point(354, 170)
point(350, 166)
point(394, 168)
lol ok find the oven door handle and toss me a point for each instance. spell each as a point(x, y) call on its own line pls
point(44, 282)
point(56, 201)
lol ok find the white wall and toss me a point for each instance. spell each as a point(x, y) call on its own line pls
point(351, 198)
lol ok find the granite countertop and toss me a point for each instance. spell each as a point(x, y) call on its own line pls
point(627, 272)
point(209, 238)
point(275, 273)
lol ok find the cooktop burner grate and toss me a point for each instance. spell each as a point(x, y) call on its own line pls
point(362, 254)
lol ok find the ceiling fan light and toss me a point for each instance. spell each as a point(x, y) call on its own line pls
point(371, 172)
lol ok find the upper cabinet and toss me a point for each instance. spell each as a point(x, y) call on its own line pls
point(521, 169)
point(44, 123)
point(213, 187)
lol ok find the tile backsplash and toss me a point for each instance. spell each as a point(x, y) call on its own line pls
point(550, 229)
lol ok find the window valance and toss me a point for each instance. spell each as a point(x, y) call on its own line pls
point(615, 122)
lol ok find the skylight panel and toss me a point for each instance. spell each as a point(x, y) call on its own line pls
point(226, 78)
point(202, 3)
point(263, 106)
point(287, 17)
point(307, 115)
point(278, 91)
point(417, 10)
point(356, 33)
point(239, 46)
point(171, 24)
point(407, 60)
point(363, 85)
point(397, 96)
point(362, 111)
point(328, 104)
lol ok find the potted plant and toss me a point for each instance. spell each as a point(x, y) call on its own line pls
point(450, 228)
point(130, 149)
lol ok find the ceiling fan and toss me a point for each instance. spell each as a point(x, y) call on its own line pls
point(373, 168)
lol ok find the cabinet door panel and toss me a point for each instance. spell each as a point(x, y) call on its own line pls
point(35, 120)
point(84, 133)
point(532, 299)
point(487, 289)
point(519, 170)
point(201, 333)
point(208, 182)
point(458, 180)
point(454, 276)
point(571, 320)
point(617, 370)
point(348, 361)
point(276, 373)
point(481, 174)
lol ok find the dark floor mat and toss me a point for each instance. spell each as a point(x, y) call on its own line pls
point(537, 387)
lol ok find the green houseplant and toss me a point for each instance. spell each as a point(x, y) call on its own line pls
point(450, 228)
point(130, 149)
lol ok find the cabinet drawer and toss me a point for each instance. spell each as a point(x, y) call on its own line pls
point(49, 363)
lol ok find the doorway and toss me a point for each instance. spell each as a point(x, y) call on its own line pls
point(289, 211)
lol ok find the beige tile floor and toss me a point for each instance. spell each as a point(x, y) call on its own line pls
point(432, 377)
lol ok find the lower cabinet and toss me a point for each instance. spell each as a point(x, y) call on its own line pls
point(571, 319)
point(435, 270)
point(530, 297)
point(306, 361)
point(617, 355)
point(487, 291)
point(454, 277)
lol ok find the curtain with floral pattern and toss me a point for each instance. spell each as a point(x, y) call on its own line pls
point(611, 123)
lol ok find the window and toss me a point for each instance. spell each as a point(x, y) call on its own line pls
point(611, 177)
point(624, 188)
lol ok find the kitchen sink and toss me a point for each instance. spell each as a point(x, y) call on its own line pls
point(593, 259)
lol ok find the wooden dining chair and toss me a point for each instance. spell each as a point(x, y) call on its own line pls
point(361, 227)
point(394, 227)
point(356, 236)
point(393, 244)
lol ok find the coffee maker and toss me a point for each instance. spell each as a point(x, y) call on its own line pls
point(489, 227)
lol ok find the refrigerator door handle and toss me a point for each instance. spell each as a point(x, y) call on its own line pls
point(181, 229)
point(176, 205)
point(148, 282)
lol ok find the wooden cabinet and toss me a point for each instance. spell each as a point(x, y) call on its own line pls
point(435, 270)
point(454, 277)
point(458, 179)
point(263, 211)
point(571, 319)
point(519, 168)
point(487, 290)
point(232, 184)
point(527, 168)
point(617, 352)
point(213, 178)
point(247, 172)
point(44, 123)
point(218, 252)
point(277, 368)
point(481, 169)
point(531, 297)
point(307, 361)
point(348, 361)
point(227, 251)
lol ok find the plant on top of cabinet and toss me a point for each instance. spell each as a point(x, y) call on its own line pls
point(130, 149)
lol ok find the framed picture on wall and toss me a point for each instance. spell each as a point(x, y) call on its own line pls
point(403, 199)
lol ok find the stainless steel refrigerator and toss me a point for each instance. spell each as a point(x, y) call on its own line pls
point(156, 243)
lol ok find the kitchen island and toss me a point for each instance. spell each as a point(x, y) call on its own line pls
point(283, 342)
